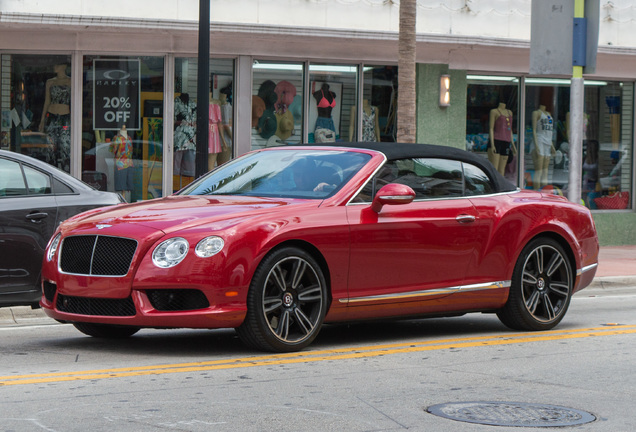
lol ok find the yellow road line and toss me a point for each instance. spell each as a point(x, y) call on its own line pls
point(319, 355)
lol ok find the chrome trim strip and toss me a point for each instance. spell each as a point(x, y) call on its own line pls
point(431, 292)
point(579, 272)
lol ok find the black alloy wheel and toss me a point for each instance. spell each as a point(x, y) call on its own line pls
point(541, 288)
point(286, 303)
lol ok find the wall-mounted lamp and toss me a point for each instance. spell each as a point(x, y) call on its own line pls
point(444, 90)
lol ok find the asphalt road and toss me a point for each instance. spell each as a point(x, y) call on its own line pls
point(381, 376)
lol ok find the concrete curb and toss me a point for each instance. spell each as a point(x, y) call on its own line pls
point(607, 285)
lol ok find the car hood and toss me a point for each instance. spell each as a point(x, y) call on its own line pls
point(182, 212)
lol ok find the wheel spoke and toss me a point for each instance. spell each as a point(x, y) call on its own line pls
point(282, 330)
point(279, 278)
point(304, 321)
point(556, 262)
point(533, 302)
point(312, 293)
point(297, 273)
point(539, 260)
point(549, 308)
point(529, 278)
point(560, 288)
point(270, 304)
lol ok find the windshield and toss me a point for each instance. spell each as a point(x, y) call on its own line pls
point(293, 173)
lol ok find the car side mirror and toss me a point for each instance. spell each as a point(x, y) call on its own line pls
point(392, 193)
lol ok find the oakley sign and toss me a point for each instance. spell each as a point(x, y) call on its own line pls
point(116, 94)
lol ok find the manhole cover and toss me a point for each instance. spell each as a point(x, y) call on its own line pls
point(512, 414)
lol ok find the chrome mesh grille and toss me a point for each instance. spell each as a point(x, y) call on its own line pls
point(97, 255)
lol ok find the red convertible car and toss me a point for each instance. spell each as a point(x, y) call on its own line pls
point(279, 241)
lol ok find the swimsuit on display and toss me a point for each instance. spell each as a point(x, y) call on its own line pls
point(368, 125)
point(60, 94)
point(502, 128)
point(545, 126)
point(214, 143)
point(324, 102)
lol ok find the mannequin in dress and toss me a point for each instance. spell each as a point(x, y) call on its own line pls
point(501, 139)
point(216, 139)
point(56, 115)
point(542, 127)
point(226, 128)
point(370, 122)
point(122, 147)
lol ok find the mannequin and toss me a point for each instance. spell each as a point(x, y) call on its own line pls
point(56, 115)
point(185, 136)
point(122, 148)
point(501, 139)
point(325, 103)
point(370, 122)
point(542, 127)
point(216, 140)
point(226, 128)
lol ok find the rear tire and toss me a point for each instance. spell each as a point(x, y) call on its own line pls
point(106, 331)
point(286, 302)
point(541, 287)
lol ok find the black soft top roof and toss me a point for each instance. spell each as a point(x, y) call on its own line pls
point(394, 151)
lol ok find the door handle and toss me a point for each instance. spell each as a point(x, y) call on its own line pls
point(464, 218)
point(36, 217)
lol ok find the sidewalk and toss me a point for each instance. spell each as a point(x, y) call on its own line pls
point(616, 269)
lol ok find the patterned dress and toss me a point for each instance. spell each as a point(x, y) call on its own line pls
point(368, 125)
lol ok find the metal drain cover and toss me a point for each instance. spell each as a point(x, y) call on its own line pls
point(512, 414)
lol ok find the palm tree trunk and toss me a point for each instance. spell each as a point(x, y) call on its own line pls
point(406, 122)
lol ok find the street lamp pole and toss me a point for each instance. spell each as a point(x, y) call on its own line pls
point(203, 89)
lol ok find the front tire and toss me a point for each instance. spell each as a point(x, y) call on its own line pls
point(106, 331)
point(286, 302)
point(541, 287)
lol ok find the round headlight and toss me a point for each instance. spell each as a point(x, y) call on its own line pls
point(170, 252)
point(53, 247)
point(209, 246)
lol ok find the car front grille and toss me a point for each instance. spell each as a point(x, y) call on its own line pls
point(97, 255)
point(96, 306)
point(177, 300)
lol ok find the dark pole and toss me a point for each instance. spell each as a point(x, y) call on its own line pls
point(203, 89)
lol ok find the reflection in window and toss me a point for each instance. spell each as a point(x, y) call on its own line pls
point(220, 139)
point(379, 106)
point(607, 143)
point(277, 104)
point(492, 119)
point(36, 119)
point(332, 104)
point(122, 125)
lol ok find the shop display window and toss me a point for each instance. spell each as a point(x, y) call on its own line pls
point(277, 103)
point(607, 141)
point(492, 111)
point(332, 102)
point(221, 137)
point(35, 101)
point(122, 125)
point(379, 103)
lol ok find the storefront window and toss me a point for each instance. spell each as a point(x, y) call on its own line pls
point(379, 103)
point(220, 139)
point(607, 140)
point(35, 99)
point(492, 119)
point(332, 102)
point(277, 104)
point(122, 125)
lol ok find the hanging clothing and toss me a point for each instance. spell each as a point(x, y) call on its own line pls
point(58, 128)
point(545, 127)
point(226, 119)
point(503, 127)
point(185, 134)
point(214, 139)
point(122, 148)
point(368, 125)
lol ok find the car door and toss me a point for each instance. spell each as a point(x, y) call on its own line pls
point(416, 251)
point(28, 216)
